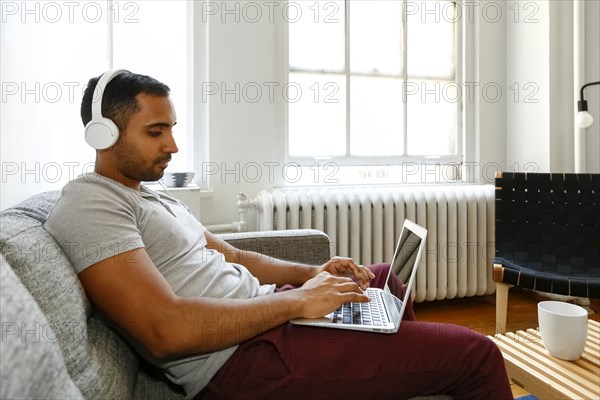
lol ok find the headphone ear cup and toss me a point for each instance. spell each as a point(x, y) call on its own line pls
point(101, 133)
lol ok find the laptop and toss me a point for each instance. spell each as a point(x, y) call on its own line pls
point(384, 312)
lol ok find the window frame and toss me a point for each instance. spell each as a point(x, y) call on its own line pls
point(283, 70)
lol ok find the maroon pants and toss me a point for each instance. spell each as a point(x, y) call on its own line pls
point(296, 362)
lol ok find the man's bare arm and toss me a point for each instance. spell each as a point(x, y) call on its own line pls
point(267, 269)
point(132, 293)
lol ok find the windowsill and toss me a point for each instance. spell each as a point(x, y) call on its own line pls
point(192, 188)
point(334, 174)
point(191, 195)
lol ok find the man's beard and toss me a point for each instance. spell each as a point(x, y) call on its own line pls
point(136, 172)
point(131, 164)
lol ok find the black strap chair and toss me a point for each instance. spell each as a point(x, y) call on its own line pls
point(547, 236)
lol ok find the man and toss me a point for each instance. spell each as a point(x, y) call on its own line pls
point(214, 318)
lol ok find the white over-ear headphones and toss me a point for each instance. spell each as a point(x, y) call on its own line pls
point(102, 133)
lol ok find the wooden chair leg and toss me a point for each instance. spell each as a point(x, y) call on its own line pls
point(501, 306)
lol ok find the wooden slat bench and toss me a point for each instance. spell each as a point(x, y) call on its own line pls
point(530, 366)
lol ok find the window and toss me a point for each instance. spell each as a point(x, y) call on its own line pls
point(50, 50)
point(373, 83)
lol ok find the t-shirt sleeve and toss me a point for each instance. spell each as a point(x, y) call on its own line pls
point(91, 223)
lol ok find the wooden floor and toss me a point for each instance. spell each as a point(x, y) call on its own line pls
point(479, 314)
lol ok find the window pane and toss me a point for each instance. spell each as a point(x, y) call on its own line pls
point(317, 115)
point(161, 53)
point(316, 35)
point(376, 120)
point(430, 39)
point(432, 119)
point(376, 36)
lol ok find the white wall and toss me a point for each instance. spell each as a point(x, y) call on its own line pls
point(529, 61)
point(488, 133)
point(540, 52)
point(528, 71)
point(241, 119)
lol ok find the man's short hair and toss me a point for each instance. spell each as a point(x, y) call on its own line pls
point(119, 97)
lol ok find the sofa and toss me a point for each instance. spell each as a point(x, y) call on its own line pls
point(52, 345)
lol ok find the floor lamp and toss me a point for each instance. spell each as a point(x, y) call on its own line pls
point(584, 119)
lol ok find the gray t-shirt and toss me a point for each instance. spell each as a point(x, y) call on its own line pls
point(97, 218)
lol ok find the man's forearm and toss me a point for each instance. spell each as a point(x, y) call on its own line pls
point(271, 270)
point(268, 270)
point(205, 325)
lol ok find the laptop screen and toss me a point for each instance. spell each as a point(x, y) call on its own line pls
point(408, 250)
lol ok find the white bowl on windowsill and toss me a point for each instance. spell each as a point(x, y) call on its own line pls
point(177, 179)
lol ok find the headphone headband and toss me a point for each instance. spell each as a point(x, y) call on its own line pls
point(100, 88)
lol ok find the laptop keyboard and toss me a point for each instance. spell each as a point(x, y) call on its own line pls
point(371, 313)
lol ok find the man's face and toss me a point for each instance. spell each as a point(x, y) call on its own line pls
point(145, 147)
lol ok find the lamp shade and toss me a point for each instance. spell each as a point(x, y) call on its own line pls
point(584, 119)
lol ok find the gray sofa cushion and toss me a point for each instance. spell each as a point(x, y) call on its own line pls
point(30, 353)
point(307, 246)
point(99, 362)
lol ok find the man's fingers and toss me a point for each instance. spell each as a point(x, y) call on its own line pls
point(345, 265)
point(353, 297)
point(348, 268)
point(344, 284)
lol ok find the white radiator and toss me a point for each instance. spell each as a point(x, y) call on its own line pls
point(364, 223)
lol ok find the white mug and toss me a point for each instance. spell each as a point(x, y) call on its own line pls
point(563, 327)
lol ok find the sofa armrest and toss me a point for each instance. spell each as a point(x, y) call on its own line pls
point(308, 246)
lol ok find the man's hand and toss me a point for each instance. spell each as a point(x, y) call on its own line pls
point(340, 266)
point(326, 292)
